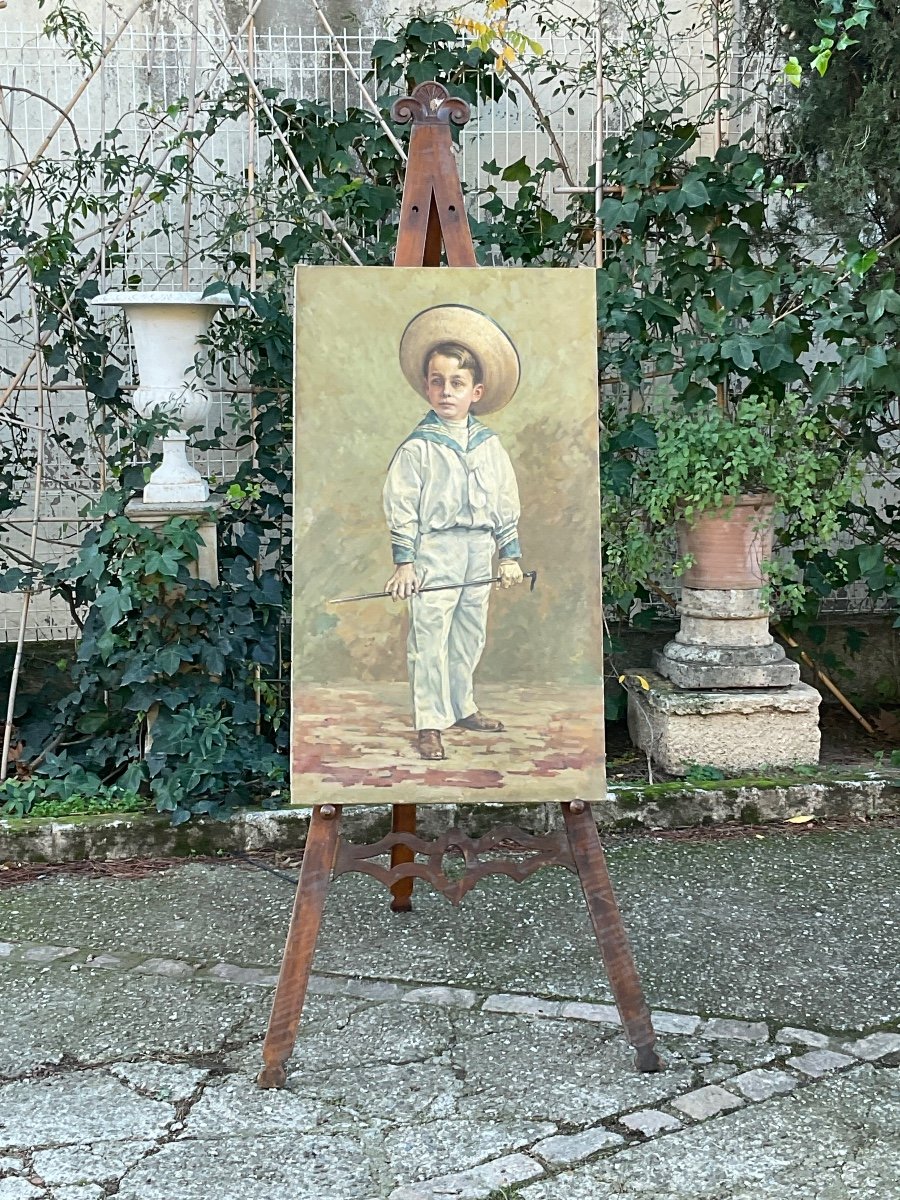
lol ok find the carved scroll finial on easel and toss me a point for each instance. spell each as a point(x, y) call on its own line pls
point(430, 104)
point(432, 212)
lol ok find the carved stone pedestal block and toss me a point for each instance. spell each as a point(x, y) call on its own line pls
point(206, 565)
point(737, 731)
point(724, 642)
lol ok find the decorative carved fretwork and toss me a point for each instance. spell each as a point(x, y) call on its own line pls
point(430, 104)
point(531, 851)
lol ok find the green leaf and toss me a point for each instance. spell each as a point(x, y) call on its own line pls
point(105, 386)
point(165, 562)
point(113, 604)
point(729, 238)
point(517, 172)
point(793, 72)
point(772, 354)
point(740, 351)
point(861, 367)
point(876, 304)
point(616, 475)
point(871, 558)
point(167, 660)
point(693, 193)
point(92, 722)
point(859, 263)
point(854, 638)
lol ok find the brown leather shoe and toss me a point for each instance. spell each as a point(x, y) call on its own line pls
point(430, 744)
point(480, 724)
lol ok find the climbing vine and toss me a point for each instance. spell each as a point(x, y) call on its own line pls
point(716, 320)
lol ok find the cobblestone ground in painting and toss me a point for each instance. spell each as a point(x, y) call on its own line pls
point(352, 738)
point(471, 1053)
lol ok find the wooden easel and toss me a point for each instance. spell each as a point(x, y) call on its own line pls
point(432, 213)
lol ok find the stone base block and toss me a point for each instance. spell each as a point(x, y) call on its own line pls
point(706, 666)
point(737, 731)
point(206, 514)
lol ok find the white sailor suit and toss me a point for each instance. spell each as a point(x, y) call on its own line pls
point(447, 507)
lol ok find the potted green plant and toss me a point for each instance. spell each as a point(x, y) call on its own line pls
point(722, 476)
point(729, 343)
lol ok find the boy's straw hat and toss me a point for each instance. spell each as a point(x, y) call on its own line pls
point(492, 347)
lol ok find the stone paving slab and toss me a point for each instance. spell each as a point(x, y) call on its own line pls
point(836, 1141)
point(92, 1161)
point(101, 1016)
point(486, 1180)
point(19, 1189)
point(819, 1062)
point(85, 1106)
point(806, 913)
point(763, 1085)
point(706, 1102)
point(426, 1152)
point(432, 1078)
point(875, 1046)
point(296, 1165)
point(503, 1060)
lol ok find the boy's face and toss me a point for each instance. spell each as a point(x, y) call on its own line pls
point(449, 388)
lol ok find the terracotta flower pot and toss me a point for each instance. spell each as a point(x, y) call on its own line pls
point(729, 544)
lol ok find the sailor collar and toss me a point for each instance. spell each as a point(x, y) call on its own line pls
point(432, 429)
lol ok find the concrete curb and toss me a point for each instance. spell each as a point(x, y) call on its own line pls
point(626, 807)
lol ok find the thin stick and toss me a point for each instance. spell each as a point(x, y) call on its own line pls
point(598, 138)
point(252, 136)
point(251, 283)
point(718, 132)
point(613, 189)
point(101, 439)
point(721, 394)
point(376, 111)
point(29, 591)
point(276, 129)
point(543, 120)
point(827, 680)
point(7, 115)
point(79, 92)
point(191, 149)
point(20, 424)
point(137, 199)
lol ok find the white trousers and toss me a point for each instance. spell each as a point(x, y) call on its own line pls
point(447, 630)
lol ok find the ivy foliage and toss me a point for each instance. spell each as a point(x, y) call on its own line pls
point(178, 689)
point(732, 359)
point(427, 48)
point(845, 125)
point(754, 342)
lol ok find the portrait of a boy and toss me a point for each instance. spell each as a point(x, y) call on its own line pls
point(446, 447)
point(451, 502)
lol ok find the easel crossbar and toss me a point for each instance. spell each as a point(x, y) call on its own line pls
point(536, 851)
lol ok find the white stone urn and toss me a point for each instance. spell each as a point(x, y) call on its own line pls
point(166, 327)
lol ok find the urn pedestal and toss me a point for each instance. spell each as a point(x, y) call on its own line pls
point(724, 639)
point(737, 730)
point(723, 693)
point(154, 516)
point(724, 642)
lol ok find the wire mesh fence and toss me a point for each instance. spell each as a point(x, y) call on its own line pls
point(133, 103)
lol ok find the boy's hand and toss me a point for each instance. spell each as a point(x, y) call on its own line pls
point(510, 572)
point(403, 583)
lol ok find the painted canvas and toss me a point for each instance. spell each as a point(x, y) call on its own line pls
point(446, 627)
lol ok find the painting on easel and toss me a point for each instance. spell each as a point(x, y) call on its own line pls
point(447, 637)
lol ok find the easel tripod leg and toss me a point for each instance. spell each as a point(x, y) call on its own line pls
point(303, 933)
point(403, 820)
point(584, 842)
